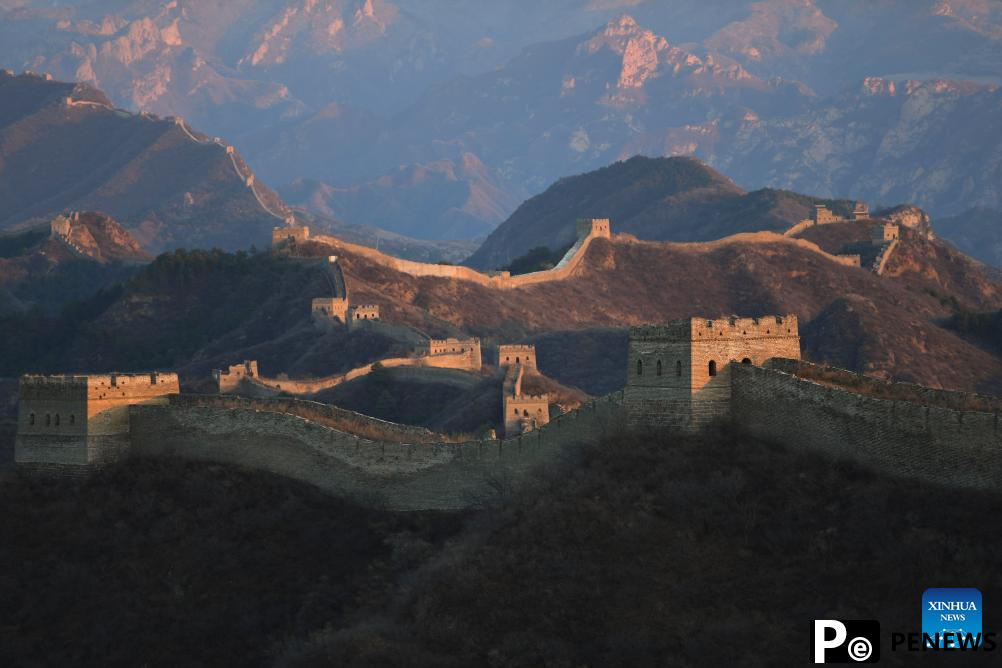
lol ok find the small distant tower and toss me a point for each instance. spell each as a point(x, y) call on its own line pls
point(290, 234)
point(823, 215)
point(678, 373)
point(861, 211)
point(882, 234)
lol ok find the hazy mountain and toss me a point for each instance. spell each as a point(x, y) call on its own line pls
point(977, 232)
point(669, 199)
point(463, 198)
point(63, 146)
point(883, 101)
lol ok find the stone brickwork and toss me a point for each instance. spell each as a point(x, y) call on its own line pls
point(509, 354)
point(230, 379)
point(823, 215)
point(288, 234)
point(402, 476)
point(678, 374)
point(919, 439)
point(588, 230)
point(522, 412)
point(360, 313)
point(80, 420)
point(881, 234)
point(467, 351)
point(327, 309)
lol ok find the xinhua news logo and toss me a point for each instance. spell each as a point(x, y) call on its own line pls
point(846, 641)
point(950, 617)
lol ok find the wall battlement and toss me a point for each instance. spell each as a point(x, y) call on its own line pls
point(509, 354)
point(81, 419)
point(678, 373)
point(591, 229)
point(287, 233)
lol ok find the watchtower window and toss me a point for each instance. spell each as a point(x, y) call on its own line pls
point(659, 367)
point(525, 413)
point(746, 361)
point(73, 419)
point(31, 419)
point(640, 367)
point(57, 419)
point(518, 360)
point(48, 419)
point(678, 368)
point(713, 367)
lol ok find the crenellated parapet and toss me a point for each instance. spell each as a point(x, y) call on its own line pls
point(81, 419)
point(509, 354)
point(678, 372)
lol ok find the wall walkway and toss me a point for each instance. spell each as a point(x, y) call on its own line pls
point(922, 437)
point(399, 475)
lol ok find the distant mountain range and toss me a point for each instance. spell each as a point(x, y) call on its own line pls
point(435, 119)
point(66, 147)
point(664, 199)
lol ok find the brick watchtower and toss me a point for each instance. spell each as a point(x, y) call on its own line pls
point(678, 374)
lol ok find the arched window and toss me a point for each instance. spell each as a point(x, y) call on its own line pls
point(57, 419)
point(525, 413)
point(31, 419)
point(518, 360)
point(678, 368)
point(746, 361)
point(640, 367)
point(659, 367)
point(713, 367)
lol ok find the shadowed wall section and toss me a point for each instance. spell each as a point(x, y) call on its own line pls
point(403, 476)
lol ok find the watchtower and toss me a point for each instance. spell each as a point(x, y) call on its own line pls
point(325, 309)
point(594, 227)
point(361, 313)
point(509, 354)
point(881, 234)
point(80, 420)
point(289, 234)
point(228, 380)
point(678, 373)
point(823, 215)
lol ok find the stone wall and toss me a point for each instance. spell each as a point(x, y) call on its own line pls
point(403, 476)
point(329, 308)
point(517, 354)
point(288, 233)
point(678, 373)
point(593, 229)
point(75, 420)
point(905, 438)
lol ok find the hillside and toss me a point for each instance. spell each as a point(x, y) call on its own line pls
point(41, 268)
point(663, 199)
point(208, 564)
point(354, 97)
point(198, 311)
point(166, 184)
point(977, 232)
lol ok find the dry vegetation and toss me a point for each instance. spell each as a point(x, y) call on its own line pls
point(646, 550)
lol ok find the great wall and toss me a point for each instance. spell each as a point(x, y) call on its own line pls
point(238, 168)
point(680, 376)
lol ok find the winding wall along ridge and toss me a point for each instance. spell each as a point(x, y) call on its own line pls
point(402, 476)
